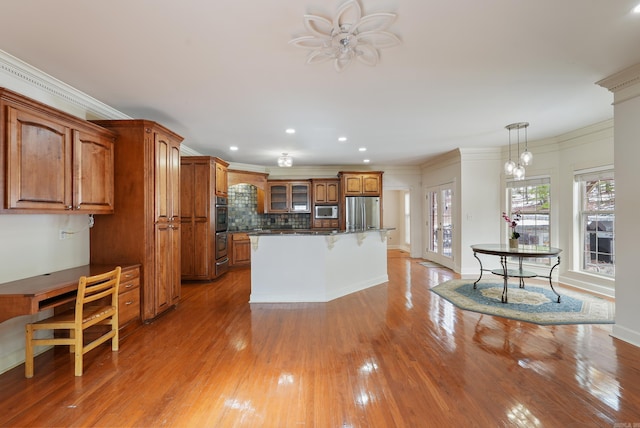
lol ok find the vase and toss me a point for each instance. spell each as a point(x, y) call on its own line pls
point(513, 243)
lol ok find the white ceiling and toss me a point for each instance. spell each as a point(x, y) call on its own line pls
point(221, 72)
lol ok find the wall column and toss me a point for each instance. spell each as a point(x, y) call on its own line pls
point(625, 87)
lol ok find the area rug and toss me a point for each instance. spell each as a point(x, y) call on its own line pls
point(534, 303)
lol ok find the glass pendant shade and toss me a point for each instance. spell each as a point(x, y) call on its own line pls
point(509, 166)
point(518, 172)
point(526, 157)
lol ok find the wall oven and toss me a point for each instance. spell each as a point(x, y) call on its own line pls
point(222, 220)
point(222, 224)
point(221, 245)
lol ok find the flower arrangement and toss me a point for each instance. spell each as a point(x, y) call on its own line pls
point(513, 222)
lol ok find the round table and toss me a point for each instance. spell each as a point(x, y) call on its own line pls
point(504, 252)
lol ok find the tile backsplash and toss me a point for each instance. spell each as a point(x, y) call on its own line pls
point(243, 213)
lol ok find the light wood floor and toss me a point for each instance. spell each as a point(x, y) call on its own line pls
point(394, 355)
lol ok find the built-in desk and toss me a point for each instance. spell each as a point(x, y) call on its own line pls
point(32, 295)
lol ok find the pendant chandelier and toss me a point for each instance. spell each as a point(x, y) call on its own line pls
point(510, 167)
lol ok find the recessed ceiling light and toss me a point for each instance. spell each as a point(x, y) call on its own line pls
point(362, 149)
point(636, 9)
point(342, 139)
point(366, 161)
point(290, 131)
point(233, 148)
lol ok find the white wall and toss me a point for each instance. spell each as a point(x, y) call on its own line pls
point(480, 187)
point(30, 242)
point(626, 88)
point(393, 217)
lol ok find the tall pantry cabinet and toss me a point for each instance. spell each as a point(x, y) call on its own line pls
point(145, 226)
point(202, 178)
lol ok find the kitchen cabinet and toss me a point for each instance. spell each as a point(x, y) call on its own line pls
point(323, 223)
point(145, 227)
point(53, 162)
point(221, 182)
point(284, 196)
point(199, 185)
point(240, 248)
point(326, 191)
point(361, 183)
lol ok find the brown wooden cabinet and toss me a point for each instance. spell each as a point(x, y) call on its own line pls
point(361, 183)
point(129, 296)
point(326, 191)
point(240, 249)
point(221, 181)
point(199, 185)
point(145, 227)
point(285, 196)
point(51, 161)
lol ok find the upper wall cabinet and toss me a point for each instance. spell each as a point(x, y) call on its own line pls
point(361, 183)
point(285, 196)
point(52, 162)
point(222, 182)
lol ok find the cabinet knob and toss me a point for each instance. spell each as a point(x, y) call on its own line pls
point(69, 207)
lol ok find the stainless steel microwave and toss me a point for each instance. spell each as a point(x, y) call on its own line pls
point(326, 211)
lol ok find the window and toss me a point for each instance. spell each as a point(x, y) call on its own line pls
point(596, 190)
point(531, 198)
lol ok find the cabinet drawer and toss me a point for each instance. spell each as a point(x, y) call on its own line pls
point(129, 285)
point(128, 306)
point(129, 279)
point(240, 236)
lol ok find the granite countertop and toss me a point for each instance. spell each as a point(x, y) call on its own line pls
point(304, 232)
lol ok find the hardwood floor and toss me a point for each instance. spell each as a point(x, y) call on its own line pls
point(394, 355)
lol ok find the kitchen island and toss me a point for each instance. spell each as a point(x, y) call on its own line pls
point(315, 266)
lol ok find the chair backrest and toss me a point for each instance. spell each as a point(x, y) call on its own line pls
point(92, 288)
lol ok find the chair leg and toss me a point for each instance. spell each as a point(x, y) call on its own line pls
point(116, 337)
point(28, 352)
point(79, 352)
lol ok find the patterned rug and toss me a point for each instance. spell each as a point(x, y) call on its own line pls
point(534, 303)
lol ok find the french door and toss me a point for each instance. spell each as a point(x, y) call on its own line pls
point(440, 229)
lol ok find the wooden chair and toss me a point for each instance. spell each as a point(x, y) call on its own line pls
point(92, 307)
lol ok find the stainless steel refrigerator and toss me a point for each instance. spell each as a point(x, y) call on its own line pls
point(362, 212)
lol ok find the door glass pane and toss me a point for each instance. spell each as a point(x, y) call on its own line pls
point(433, 221)
point(447, 223)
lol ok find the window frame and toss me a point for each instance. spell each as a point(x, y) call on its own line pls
point(510, 209)
point(581, 177)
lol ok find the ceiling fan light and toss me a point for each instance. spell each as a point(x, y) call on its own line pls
point(346, 37)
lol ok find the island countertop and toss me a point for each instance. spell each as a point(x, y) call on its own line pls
point(307, 232)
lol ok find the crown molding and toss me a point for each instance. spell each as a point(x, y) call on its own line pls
point(34, 77)
point(624, 84)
